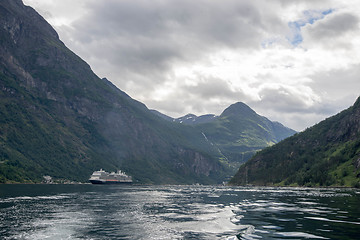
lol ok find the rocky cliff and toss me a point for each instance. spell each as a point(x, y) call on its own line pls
point(58, 118)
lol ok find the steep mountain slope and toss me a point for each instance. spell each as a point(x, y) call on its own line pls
point(238, 133)
point(58, 118)
point(327, 154)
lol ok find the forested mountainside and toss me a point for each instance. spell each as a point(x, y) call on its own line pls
point(327, 154)
point(238, 133)
point(58, 118)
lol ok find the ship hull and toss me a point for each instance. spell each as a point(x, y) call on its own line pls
point(109, 182)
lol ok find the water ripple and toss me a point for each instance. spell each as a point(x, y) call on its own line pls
point(179, 212)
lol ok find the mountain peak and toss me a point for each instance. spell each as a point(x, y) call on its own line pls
point(238, 108)
point(357, 103)
point(190, 115)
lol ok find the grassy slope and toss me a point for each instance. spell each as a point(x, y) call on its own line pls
point(326, 154)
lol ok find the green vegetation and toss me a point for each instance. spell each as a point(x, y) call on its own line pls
point(239, 133)
point(327, 154)
point(58, 118)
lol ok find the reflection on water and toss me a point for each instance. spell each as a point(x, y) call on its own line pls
point(177, 212)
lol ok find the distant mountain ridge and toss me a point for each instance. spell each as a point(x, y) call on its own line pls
point(238, 133)
point(192, 119)
point(327, 154)
point(188, 119)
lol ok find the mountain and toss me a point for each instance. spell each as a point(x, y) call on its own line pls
point(58, 118)
point(191, 119)
point(188, 119)
point(238, 133)
point(163, 116)
point(327, 154)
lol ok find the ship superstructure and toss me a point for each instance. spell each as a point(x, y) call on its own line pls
point(102, 177)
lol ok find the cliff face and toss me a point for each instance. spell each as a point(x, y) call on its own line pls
point(58, 118)
point(326, 154)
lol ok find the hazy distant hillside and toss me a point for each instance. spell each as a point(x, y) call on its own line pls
point(327, 154)
point(58, 118)
point(191, 119)
point(238, 133)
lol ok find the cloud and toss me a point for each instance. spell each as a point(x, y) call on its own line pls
point(290, 99)
point(209, 88)
point(337, 31)
point(286, 59)
point(58, 13)
point(336, 26)
point(309, 17)
point(146, 37)
point(338, 82)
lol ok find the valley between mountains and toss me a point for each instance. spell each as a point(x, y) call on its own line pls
point(59, 119)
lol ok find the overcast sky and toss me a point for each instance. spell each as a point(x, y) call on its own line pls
point(293, 61)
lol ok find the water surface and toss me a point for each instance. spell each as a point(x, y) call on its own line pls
point(177, 212)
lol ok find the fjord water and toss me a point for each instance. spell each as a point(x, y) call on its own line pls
point(177, 212)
